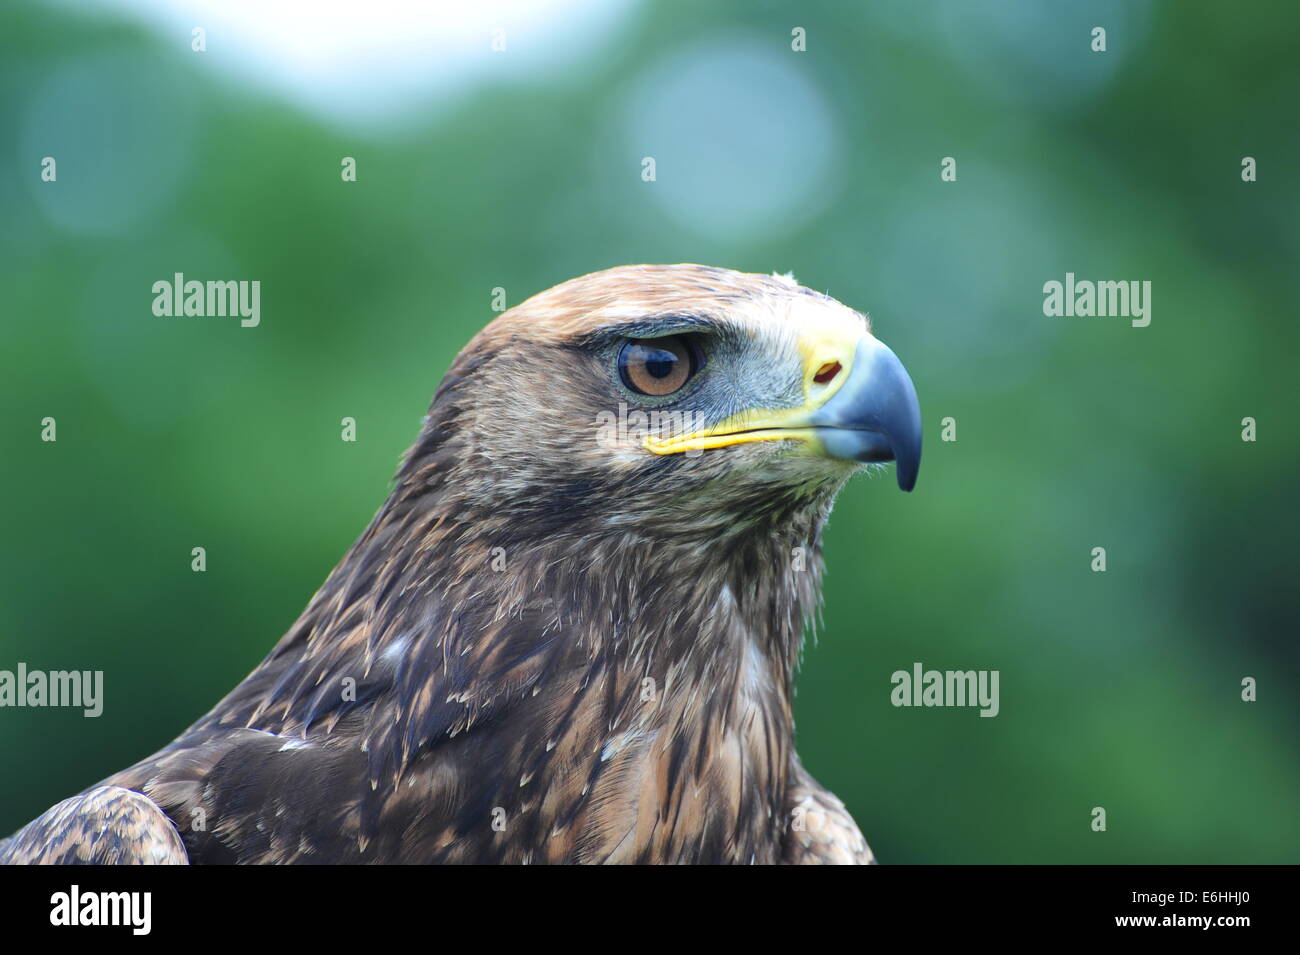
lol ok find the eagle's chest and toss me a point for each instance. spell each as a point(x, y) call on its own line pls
point(649, 751)
point(644, 771)
point(714, 797)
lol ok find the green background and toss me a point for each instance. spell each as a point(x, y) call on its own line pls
point(1118, 689)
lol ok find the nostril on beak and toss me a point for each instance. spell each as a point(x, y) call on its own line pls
point(827, 372)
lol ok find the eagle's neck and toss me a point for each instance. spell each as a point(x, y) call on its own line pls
point(630, 698)
point(649, 683)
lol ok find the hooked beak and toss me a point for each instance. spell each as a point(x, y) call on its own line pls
point(875, 415)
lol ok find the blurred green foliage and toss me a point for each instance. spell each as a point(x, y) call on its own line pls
point(1118, 690)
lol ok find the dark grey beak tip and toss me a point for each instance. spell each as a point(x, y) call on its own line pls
point(907, 468)
point(905, 438)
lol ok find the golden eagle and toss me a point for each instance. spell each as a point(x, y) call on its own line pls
point(570, 633)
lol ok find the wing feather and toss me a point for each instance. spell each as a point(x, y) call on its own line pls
point(822, 832)
point(107, 825)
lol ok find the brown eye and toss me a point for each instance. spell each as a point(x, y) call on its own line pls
point(657, 366)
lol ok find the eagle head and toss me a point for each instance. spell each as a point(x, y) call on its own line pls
point(676, 403)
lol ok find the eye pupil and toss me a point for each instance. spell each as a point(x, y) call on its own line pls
point(660, 363)
point(657, 367)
